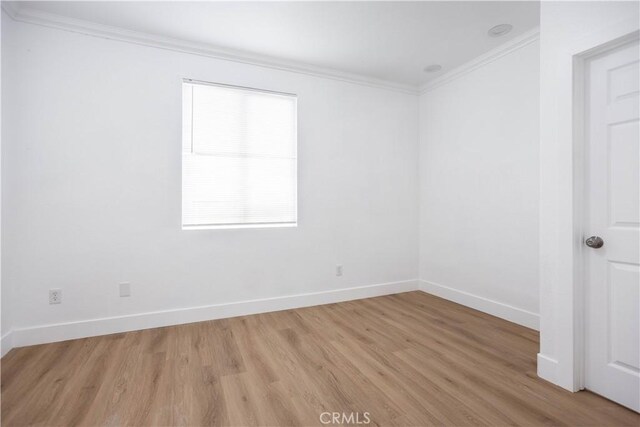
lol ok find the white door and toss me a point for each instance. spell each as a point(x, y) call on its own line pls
point(612, 271)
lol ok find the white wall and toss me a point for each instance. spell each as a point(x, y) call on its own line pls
point(479, 183)
point(567, 29)
point(91, 184)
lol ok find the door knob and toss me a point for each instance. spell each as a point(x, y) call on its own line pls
point(594, 242)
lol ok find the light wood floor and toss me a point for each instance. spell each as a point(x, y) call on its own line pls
point(407, 359)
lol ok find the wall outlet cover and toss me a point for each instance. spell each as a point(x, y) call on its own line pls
point(125, 289)
point(55, 296)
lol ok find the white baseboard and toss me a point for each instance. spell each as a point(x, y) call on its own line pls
point(6, 343)
point(547, 368)
point(495, 308)
point(93, 327)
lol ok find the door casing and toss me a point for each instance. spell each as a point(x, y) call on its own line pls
point(580, 141)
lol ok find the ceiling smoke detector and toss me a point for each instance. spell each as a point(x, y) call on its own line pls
point(500, 30)
point(433, 68)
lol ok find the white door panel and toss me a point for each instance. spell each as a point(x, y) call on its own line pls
point(625, 315)
point(613, 213)
point(624, 152)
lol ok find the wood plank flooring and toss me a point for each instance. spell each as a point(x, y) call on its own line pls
point(406, 359)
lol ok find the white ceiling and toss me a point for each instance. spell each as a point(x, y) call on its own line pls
point(392, 41)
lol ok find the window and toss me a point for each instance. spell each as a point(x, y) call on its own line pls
point(239, 166)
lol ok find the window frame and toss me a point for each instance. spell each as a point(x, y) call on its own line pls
point(230, 226)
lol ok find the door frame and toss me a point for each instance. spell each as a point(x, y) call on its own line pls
point(580, 175)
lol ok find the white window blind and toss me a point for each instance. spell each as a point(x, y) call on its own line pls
point(239, 166)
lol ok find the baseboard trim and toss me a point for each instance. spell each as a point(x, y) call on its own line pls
point(486, 305)
point(6, 343)
point(547, 368)
point(94, 327)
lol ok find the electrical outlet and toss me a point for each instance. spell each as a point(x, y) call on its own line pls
point(125, 289)
point(338, 270)
point(55, 296)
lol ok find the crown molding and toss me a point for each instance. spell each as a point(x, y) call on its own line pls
point(36, 17)
point(512, 45)
point(11, 8)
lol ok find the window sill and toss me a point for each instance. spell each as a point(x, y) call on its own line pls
point(238, 226)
